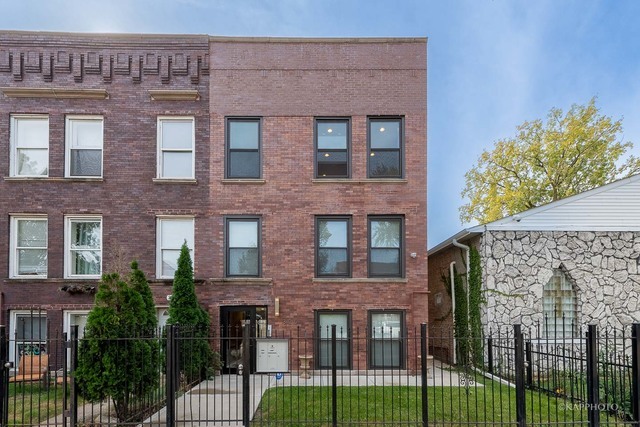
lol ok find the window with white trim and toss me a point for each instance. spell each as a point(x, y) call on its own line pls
point(171, 234)
point(176, 142)
point(83, 246)
point(560, 306)
point(84, 141)
point(28, 256)
point(386, 348)
point(29, 329)
point(29, 145)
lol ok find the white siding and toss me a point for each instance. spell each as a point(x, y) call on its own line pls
point(613, 207)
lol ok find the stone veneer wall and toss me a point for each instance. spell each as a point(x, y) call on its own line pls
point(602, 266)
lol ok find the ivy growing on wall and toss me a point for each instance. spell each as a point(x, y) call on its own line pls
point(467, 323)
point(475, 300)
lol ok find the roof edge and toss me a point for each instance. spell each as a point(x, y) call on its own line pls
point(100, 35)
point(232, 39)
point(542, 208)
point(221, 39)
point(467, 233)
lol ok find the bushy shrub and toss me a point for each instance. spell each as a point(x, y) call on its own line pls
point(118, 357)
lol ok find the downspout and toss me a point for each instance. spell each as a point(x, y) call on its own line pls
point(453, 304)
point(466, 248)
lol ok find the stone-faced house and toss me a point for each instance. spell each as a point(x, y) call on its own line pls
point(555, 267)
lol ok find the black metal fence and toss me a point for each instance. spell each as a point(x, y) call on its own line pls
point(511, 377)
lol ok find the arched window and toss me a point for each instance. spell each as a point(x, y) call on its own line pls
point(560, 306)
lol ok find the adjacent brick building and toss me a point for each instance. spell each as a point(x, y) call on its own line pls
point(294, 168)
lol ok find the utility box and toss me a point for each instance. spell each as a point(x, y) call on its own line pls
point(272, 355)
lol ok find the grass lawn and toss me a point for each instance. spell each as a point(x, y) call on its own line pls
point(33, 403)
point(483, 403)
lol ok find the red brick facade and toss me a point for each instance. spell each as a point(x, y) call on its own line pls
point(287, 83)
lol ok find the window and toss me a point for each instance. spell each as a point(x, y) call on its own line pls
point(385, 148)
point(176, 141)
point(243, 247)
point(333, 246)
point(28, 247)
point(243, 148)
point(342, 320)
point(386, 347)
point(171, 234)
point(29, 328)
point(74, 318)
point(560, 306)
point(332, 148)
point(83, 247)
point(84, 146)
point(385, 247)
point(29, 145)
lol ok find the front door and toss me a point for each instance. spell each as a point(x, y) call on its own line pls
point(233, 319)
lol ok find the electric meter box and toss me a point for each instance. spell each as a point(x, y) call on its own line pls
point(272, 355)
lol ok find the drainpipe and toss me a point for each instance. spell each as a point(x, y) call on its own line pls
point(453, 304)
point(466, 248)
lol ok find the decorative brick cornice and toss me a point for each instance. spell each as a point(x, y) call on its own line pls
point(107, 63)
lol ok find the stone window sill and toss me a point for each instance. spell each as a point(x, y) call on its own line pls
point(244, 181)
point(359, 280)
point(51, 179)
point(175, 181)
point(242, 281)
point(359, 181)
point(37, 279)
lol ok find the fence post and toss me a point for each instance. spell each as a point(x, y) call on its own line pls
point(246, 360)
point(521, 410)
point(334, 378)
point(170, 375)
point(73, 398)
point(65, 378)
point(423, 363)
point(529, 361)
point(4, 376)
point(490, 354)
point(593, 398)
point(635, 381)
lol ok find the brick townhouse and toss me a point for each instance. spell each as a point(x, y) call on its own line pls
point(295, 169)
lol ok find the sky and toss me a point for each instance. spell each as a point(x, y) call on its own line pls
point(492, 64)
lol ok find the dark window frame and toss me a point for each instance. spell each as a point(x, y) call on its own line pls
point(241, 218)
point(318, 120)
point(229, 150)
point(400, 149)
point(399, 218)
point(349, 244)
point(317, 314)
point(403, 339)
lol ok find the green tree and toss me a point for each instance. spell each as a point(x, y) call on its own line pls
point(546, 161)
point(196, 356)
point(139, 282)
point(116, 358)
